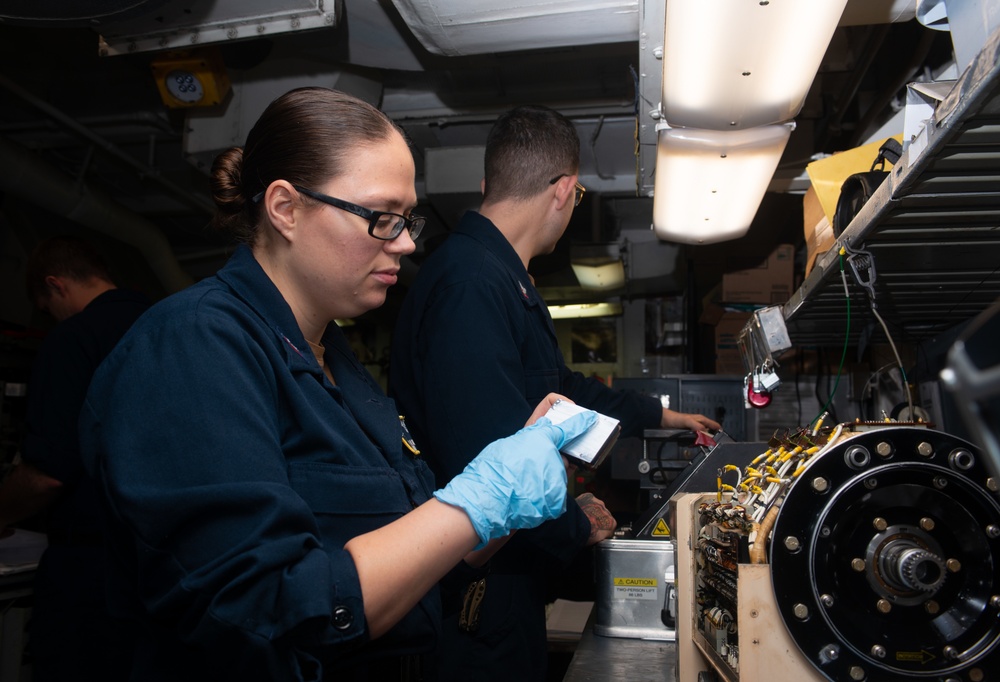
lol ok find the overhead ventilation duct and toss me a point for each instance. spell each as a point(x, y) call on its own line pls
point(464, 27)
point(29, 178)
point(182, 24)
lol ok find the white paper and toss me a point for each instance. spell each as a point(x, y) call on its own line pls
point(588, 445)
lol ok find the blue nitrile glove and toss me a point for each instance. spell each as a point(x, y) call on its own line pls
point(518, 481)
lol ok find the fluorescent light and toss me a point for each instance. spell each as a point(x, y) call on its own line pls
point(608, 275)
point(709, 183)
point(562, 312)
point(733, 64)
point(597, 265)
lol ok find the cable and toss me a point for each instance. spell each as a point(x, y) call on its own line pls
point(869, 389)
point(906, 383)
point(800, 363)
point(758, 553)
point(863, 264)
point(847, 337)
point(593, 149)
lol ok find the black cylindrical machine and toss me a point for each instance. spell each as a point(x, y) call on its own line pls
point(866, 551)
point(885, 558)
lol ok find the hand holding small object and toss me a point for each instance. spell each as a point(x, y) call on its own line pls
point(518, 481)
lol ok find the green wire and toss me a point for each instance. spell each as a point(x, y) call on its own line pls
point(843, 355)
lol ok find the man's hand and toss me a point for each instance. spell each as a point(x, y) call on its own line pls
point(602, 523)
point(543, 407)
point(691, 422)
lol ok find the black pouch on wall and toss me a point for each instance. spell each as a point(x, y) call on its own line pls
point(859, 188)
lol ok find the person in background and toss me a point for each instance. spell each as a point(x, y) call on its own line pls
point(474, 349)
point(71, 636)
point(271, 518)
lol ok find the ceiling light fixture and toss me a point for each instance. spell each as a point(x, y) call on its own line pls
point(709, 183)
point(609, 275)
point(733, 65)
point(576, 310)
point(735, 74)
point(597, 265)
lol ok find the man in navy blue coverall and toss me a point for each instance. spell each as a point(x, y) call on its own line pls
point(71, 636)
point(474, 349)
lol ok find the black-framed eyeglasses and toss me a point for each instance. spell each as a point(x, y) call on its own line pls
point(381, 225)
point(580, 189)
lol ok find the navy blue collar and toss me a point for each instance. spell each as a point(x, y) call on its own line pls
point(247, 280)
point(476, 226)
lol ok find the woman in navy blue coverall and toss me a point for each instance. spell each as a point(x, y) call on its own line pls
point(269, 516)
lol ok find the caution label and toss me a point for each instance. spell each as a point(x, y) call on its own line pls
point(635, 588)
point(923, 657)
point(661, 529)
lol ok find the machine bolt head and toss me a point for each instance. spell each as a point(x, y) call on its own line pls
point(954, 565)
point(931, 607)
point(883, 606)
point(927, 524)
point(858, 564)
point(820, 484)
point(880, 524)
point(925, 449)
point(792, 544)
point(884, 449)
point(857, 672)
point(801, 611)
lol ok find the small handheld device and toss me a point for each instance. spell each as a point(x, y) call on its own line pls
point(590, 448)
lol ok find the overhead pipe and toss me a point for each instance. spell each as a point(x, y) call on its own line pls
point(108, 147)
point(873, 42)
point(917, 57)
point(145, 119)
point(28, 177)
